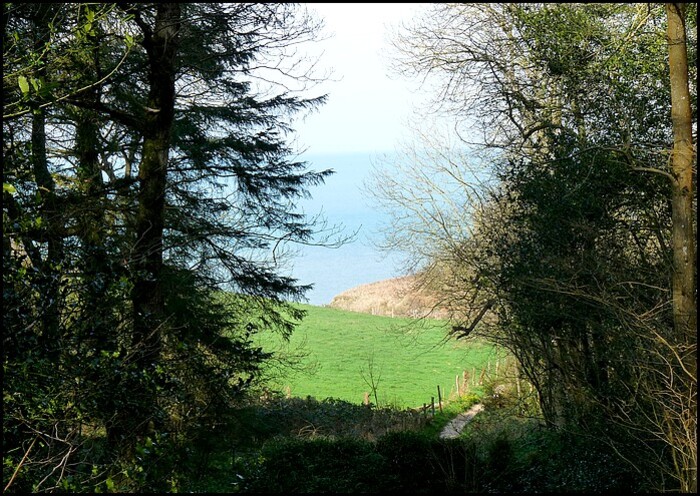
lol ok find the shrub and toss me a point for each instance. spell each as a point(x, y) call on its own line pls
point(407, 456)
point(318, 466)
point(399, 462)
point(573, 462)
point(419, 463)
point(329, 417)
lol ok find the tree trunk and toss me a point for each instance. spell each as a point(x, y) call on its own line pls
point(147, 295)
point(683, 237)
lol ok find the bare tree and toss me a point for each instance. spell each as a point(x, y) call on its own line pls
point(371, 376)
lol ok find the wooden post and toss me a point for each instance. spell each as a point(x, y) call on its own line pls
point(457, 385)
point(432, 404)
point(439, 399)
point(366, 400)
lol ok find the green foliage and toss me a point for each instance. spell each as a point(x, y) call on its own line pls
point(97, 400)
point(398, 463)
point(498, 452)
point(489, 460)
point(328, 418)
point(318, 466)
point(548, 462)
point(419, 463)
point(565, 257)
point(572, 245)
point(32, 62)
point(580, 217)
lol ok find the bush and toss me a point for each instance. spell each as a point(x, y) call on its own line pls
point(399, 462)
point(496, 453)
point(318, 466)
point(571, 462)
point(310, 418)
point(407, 457)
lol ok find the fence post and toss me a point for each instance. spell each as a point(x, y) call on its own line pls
point(439, 399)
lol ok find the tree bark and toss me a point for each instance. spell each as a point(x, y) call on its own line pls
point(161, 47)
point(683, 236)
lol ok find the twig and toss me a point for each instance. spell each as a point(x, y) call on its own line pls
point(20, 465)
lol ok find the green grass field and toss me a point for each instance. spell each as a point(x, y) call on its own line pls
point(340, 354)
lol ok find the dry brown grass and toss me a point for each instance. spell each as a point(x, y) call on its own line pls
point(398, 297)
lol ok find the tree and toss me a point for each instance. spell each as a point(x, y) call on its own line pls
point(684, 285)
point(567, 257)
point(167, 142)
point(161, 44)
point(44, 405)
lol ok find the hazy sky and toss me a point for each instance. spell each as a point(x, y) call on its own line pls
point(367, 109)
point(365, 116)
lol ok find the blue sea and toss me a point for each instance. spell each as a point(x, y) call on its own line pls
point(343, 201)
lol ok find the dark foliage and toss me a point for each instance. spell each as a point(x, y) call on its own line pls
point(145, 167)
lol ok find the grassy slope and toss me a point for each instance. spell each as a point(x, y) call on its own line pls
point(408, 358)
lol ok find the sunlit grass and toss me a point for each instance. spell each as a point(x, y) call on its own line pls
point(347, 353)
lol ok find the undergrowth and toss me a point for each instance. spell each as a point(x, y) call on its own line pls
point(290, 445)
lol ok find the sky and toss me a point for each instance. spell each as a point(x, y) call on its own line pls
point(366, 116)
point(367, 108)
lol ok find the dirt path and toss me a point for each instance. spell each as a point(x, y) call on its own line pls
point(455, 426)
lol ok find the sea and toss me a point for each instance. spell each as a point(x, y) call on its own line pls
point(343, 201)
